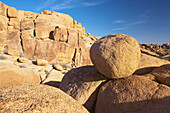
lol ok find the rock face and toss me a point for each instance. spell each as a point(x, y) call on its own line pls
point(133, 94)
point(12, 75)
point(51, 36)
point(116, 56)
point(37, 98)
point(149, 63)
point(162, 74)
point(82, 84)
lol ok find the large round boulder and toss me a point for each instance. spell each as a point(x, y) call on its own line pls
point(116, 56)
point(134, 94)
point(37, 99)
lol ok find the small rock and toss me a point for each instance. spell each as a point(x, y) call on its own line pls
point(58, 67)
point(41, 62)
point(47, 12)
point(22, 60)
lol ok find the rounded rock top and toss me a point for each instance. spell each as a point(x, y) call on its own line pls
point(116, 56)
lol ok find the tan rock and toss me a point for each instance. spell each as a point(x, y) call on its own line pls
point(27, 25)
point(81, 83)
point(12, 12)
point(20, 15)
point(88, 34)
point(28, 47)
point(12, 75)
point(27, 34)
point(58, 67)
point(43, 29)
point(148, 63)
point(41, 62)
point(57, 19)
point(61, 34)
point(133, 94)
point(47, 12)
point(23, 60)
point(54, 78)
point(73, 37)
point(3, 9)
point(79, 25)
point(162, 74)
point(33, 98)
point(3, 23)
point(75, 23)
point(30, 15)
point(116, 56)
point(15, 23)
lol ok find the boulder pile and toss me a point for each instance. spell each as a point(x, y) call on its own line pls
point(113, 85)
point(41, 49)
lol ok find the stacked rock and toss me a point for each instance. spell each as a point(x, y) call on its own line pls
point(110, 86)
point(116, 56)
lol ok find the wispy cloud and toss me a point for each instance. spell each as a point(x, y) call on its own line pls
point(92, 3)
point(67, 4)
point(139, 20)
point(118, 21)
point(46, 4)
point(119, 28)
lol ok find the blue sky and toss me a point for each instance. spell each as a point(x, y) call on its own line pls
point(148, 21)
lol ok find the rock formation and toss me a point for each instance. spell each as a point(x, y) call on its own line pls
point(116, 56)
point(37, 98)
point(51, 36)
point(42, 48)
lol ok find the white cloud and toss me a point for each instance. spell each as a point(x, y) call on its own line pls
point(119, 28)
point(46, 4)
point(92, 3)
point(118, 21)
point(136, 23)
point(66, 4)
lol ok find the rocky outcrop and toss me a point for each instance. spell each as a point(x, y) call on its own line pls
point(133, 94)
point(37, 98)
point(159, 50)
point(51, 36)
point(162, 74)
point(12, 75)
point(116, 56)
point(148, 63)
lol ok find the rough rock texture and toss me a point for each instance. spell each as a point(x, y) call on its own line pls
point(48, 36)
point(82, 84)
point(37, 98)
point(135, 94)
point(162, 74)
point(116, 56)
point(149, 63)
point(54, 78)
point(12, 75)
